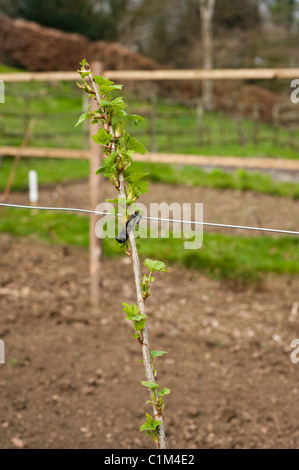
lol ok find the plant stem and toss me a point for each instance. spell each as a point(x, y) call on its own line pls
point(144, 341)
point(143, 338)
point(161, 444)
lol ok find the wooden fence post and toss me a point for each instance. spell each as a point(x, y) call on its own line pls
point(95, 182)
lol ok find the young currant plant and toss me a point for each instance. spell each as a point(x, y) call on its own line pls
point(119, 148)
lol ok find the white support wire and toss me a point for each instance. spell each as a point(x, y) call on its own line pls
point(210, 224)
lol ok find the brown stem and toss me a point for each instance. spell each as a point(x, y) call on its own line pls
point(161, 444)
point(145, 343)
point(140, 303)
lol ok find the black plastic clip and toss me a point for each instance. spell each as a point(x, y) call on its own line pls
point(133, 220)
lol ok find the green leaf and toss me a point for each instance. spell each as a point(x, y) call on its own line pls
point(102, 137)
point(134, 118)
point(138, 188)
point(82, 118)
point(130, 310)
point(157, 353)
point(84, 74)
point(118, 103)
point(133, 177)
point(110, 172)
point(115, 201)
point(146, 427)
point(115, 121)
point(150, 385)
point(107, 89)
point(141, 187)
point(155, 265)
point(149, 418)
point(105, 103)
point(109, 167)
point(139, 325)
point(164, 391)
point(134, 144)
point(99, 80)
point(140, 316)
point(106, 85)
point(151, 424)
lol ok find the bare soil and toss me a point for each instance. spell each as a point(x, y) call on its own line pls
point(72, 378)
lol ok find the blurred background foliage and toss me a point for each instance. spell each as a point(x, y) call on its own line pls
point(247, 33)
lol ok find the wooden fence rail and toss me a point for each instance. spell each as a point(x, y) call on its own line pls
point(197, 74)
point(45, 152)
point(223, 74)
point(169, 158)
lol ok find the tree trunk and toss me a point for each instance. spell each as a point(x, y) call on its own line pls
point(206, 15)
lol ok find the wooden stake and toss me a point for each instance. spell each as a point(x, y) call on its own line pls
point(95, 244)
point(19, 154)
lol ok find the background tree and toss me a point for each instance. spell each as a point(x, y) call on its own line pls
point(206, 16)
point(228, 15)
point(170, 31)
point(283, 12)
point(96, 19)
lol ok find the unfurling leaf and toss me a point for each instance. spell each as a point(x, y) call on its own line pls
point(150, 385)
point(164, 391)
point(155, 265)
point(157, 353)
point(151, 424)
point(130, 310)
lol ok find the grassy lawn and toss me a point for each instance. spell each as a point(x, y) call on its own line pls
point(59, 170)
point(49, 170)
point(240, 179)
point(56, 107)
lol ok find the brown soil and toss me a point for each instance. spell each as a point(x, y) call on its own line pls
point(72, 379)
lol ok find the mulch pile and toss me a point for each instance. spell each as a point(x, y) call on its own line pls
point(33, 47)
point(247, 100)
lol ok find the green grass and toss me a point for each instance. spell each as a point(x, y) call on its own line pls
point(60, 170)
point(241, 259)
point(240, 180)
point(231, 257)
point(58, 105)
point(8, 69)
point(177, 132)
point(49, 171)
point(49, 226)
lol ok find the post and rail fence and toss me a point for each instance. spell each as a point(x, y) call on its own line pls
point(93, 154)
